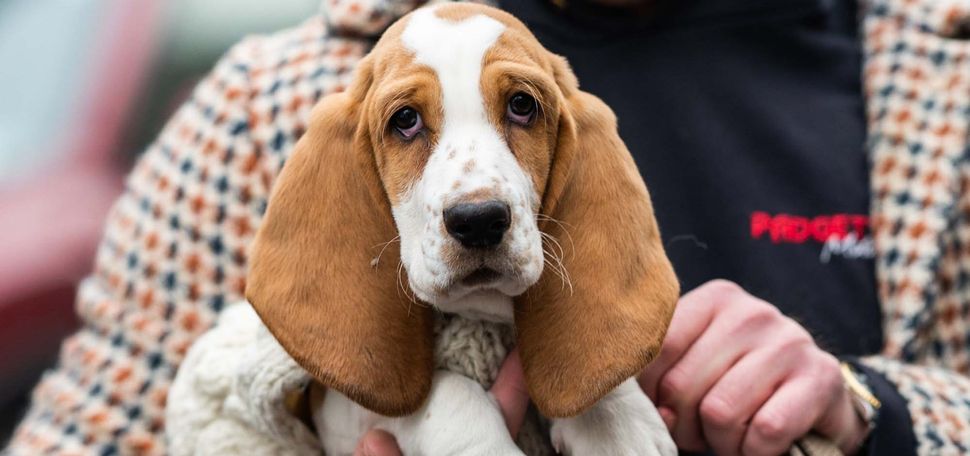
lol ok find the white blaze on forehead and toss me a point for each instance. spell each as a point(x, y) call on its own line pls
point(454, 50)
point(470, 156)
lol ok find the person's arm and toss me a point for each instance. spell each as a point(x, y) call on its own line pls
point(174, 250)
point(920, 223)
point(936, 400)
point(737, 376)
point(893, 431)
point(149, 295)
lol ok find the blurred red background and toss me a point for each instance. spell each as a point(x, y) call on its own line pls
point(84, 87)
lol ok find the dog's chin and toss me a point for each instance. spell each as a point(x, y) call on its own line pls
point(482, 293)
point(480, 304)
point(483, 277)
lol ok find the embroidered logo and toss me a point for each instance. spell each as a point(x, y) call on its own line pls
point(845, 235)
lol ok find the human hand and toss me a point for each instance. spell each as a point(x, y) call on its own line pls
point(509, 391)
point(737, 376)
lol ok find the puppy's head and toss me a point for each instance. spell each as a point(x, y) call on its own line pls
point(460, 163)
point(465, 149)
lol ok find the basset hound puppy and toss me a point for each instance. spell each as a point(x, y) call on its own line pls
point(460, 147)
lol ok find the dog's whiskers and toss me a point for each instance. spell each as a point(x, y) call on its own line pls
point(377, 260)
point(562, 226)
point(402, 288)
point(563, 277)
point(556, 263)
point(400, 268)
point(546, 237)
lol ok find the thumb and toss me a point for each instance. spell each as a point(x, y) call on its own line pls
point(842, 425)
point(377, 443)
point(511, 393)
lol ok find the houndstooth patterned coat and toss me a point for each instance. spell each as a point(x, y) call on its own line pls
point(174, 251)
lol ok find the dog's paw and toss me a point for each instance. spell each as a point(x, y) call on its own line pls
point(625, 422)
point(568, 438)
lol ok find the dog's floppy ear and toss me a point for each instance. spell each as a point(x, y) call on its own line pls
point(580, 340)
point(313, 276)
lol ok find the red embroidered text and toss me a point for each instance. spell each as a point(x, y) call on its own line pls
point(785, 228)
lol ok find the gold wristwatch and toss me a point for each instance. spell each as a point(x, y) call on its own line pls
point(863, 401)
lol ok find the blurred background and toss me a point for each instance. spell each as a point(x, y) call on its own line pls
point(85, 85)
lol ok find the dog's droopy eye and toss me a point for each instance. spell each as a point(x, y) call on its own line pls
point(522, 108)
point(407, 121)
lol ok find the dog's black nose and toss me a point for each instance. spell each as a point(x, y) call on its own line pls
point(478, 225)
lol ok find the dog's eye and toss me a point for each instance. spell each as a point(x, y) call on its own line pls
point(522, 108)
point(407, 121)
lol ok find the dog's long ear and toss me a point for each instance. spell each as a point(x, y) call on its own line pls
point(580, 339)
point(314, 278)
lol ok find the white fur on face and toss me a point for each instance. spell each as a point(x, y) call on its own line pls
point(470, 156)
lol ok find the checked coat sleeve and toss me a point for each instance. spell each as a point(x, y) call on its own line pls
point(917, 80)
point(174, 250)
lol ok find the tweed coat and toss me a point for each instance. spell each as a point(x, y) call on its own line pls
point(174, 251)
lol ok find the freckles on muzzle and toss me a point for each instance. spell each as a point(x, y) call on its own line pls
point(477, 224)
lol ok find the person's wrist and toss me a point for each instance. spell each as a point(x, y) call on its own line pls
point(860, 401)
point(858, 429)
